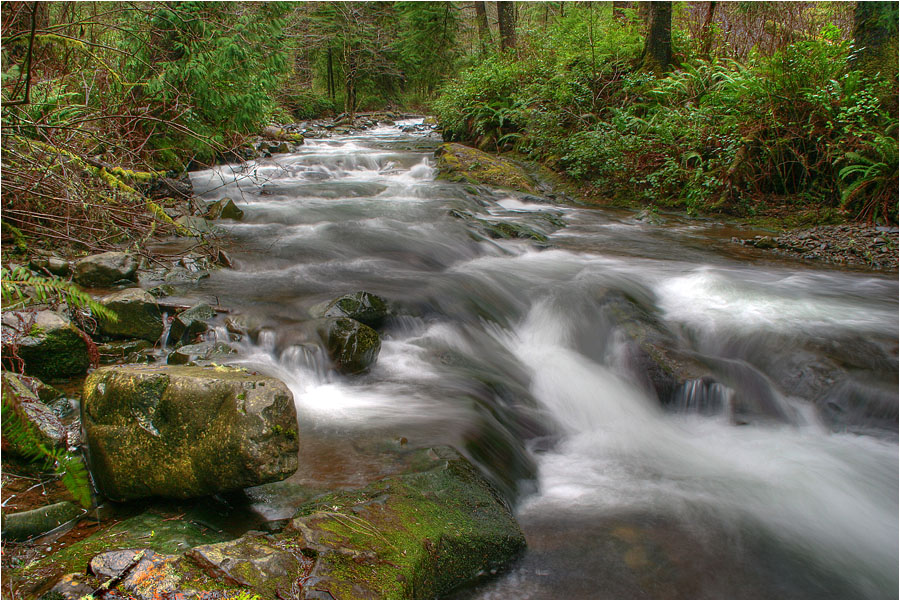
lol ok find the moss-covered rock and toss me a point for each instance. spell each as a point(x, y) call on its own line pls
point(47, 430)
point(137, 312)
point(105, 269)
point(352, 346)
point(180, 432)
point(459, 163)
point(224, 209)
point(414, 536)
point(362, 306)
point(52, 347)
point(145, 531)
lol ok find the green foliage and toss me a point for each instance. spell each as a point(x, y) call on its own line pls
point(18, 433)
point(309, 105)
point(15, 283)
point(870, 180)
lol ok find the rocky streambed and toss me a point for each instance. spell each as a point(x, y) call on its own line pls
point(503, 330)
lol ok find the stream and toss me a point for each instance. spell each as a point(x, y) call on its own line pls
point(507, 350)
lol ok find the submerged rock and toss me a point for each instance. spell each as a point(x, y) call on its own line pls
point(459, 163)
point(105, 269)
point(182, 432)
point(204, 351)
point(52, 347)
point(352, 346)
point(413, 536)
point(138, 315)
point(362, 306)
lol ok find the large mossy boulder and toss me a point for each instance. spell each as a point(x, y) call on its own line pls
point(137, 312)
point(362, 306)
point(105, 269)
point(181, 432)
point(51, 347)
point(459, 163)
point(352, 346)
point(413, 536)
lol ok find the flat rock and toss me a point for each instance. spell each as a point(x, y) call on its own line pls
point(138, 315)
point(105, 269)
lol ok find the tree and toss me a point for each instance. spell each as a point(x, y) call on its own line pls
point(426, 43)
point(506, 18)
point(657, 54)
point(484, 31)
point(875, 37)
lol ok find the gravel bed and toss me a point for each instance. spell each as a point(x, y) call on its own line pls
point(851, 244)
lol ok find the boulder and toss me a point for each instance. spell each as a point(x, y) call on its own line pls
point(27, 524)
point(182, 432)
point(137, 312)
point(362, 306)
point(459, 163)
point(52, 347)
point(189, 323)
point(53, 264)
point(105, 269)
point(412, 536)
point(45, 426)
point(352, 346)
point(224, 209)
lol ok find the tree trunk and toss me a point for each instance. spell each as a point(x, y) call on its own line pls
point(506, 17)
point(330, 72)
point(875, 38)
point(706, 31)
point(619, 10)
point(657, 55)
point(484, 31)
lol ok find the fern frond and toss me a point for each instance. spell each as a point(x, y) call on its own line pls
point(46, 289)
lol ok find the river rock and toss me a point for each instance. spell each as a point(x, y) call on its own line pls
point(105, 269)
point(27, 524)
point(52, 264)
point(197, 226)
point(459, 163)
point(52, 347)
point(352, 346)
point(189, 323)
point(138, 315)
point(124, 351)
point(362, 306)
point(204, 351)
point(224, 209)
point(45, 426)
point(181, 432)
point(412, 536)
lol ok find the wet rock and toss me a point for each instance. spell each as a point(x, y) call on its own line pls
point(52, 264)
point(105, 269)
point(190, 323)
point(141, 573)
point(362, 306)
point(189, 354)
point(181, 432)
point(459, 163)
point(508, 229)
point(413, 536)
point(224, 209)
point(163, 290)
point(170, 187)
point(265, 564)
point(182, 275)
point(352, 346)
point(51, 347)
point(28, 524)
point(44, 424)
point(197, 226)
point(137, 312)
point(149, 530)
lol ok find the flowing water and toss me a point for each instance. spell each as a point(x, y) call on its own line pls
point(775, 476)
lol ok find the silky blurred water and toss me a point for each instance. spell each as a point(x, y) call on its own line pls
point(504, 349)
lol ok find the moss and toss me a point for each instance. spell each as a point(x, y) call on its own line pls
point(412, 536)
point(456, 162)
point(57, 353)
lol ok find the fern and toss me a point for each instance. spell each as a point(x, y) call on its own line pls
point(21, 435)
point(13, 283)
